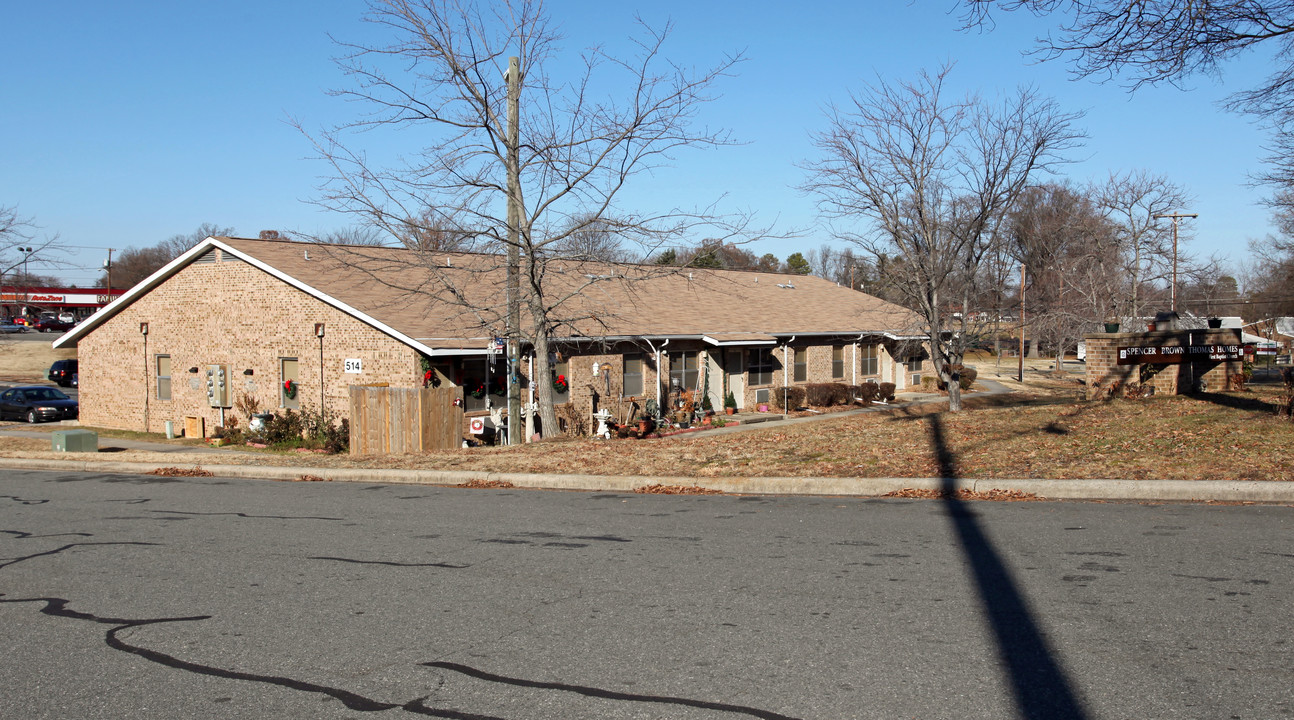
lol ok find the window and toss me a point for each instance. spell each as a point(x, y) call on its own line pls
point(870, 363)
point(561, 371)
point(683, 371)
point(913, 364)
point(476, 384)
point(163, 377)
point(761, 366)
point(633, 376)
point(837, 361)
point(288, 372)
point(800, 357)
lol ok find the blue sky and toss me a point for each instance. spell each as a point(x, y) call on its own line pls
point(126, 123)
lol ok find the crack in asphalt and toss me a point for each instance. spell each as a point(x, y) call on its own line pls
point(387, 562)
point(59, 608)
point(17, 499)
point(245, 515)
point(607, 694)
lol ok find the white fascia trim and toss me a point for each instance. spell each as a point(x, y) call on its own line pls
point(172, 267)
point(130, 295)
point(330, 300)
point(735, 343)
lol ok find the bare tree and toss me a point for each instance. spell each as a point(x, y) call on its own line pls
point(595, 241)
point(1152, 42)
point(134, 264)
point(446, 71)
point(934, 177)
point(1070, 254)
point(1131, 201)
point(22, 244)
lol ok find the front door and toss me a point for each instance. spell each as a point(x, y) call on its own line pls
point(736, 375)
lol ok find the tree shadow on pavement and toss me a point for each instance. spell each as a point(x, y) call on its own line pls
point(1041, 689)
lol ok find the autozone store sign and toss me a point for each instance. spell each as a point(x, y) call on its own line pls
point(58, 298)
point(1172, 354)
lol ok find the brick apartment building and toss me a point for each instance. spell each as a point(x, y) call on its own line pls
point(261, 313)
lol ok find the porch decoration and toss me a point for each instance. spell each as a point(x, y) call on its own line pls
point(478, 392)
point(290, 389)
point(560, 385)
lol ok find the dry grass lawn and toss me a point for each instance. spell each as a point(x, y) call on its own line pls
point(1044, 431)
point(1233, 436)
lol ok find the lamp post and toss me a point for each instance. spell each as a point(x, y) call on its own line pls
point(26, 253)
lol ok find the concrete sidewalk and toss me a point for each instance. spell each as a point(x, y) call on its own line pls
point(1085, 489)
point(1143, 490)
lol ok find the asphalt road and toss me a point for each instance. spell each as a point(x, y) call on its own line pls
point(130, 597)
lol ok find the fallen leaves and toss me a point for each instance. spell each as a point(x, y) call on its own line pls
point(194, 471)
point(994, 495)
point(676, 490)
point(475, 483)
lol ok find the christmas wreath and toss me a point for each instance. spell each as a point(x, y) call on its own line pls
point(479, 392)
point(560, 385)
point(289, 389)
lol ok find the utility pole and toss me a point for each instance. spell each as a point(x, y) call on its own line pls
point(1175, 217)
point(108, 266)
point(514, 252)
point(1020, 377)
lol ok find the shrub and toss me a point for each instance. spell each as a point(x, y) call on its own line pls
point(308, 428)
point(230, 432)
point(930, 384)
point(1285, 401)
point(794, 397)
point(868, 392)
point(826, 394)
point(283, 431)
point(966, 377)
point(729, 400)
point(886, 392)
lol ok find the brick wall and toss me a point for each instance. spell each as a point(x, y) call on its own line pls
point(233, 314)
point(1105, 375)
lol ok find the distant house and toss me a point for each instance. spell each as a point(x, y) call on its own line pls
point(292, 325)
point(1276, 330)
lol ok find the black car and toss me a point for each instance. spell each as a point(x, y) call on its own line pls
point(35, 403)
point(61, 372)
point(49, 324)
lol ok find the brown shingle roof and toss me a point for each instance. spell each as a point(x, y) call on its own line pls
point(454, 299)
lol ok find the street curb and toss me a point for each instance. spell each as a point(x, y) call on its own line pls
point(1149, 490)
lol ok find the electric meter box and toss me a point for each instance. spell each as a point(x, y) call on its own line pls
point(218, 385)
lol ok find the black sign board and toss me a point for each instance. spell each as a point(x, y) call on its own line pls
point(1171, 354)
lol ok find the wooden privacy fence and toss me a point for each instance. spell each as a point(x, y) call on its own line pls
point(386, 420)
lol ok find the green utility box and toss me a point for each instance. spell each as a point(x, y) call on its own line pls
point(76, 441)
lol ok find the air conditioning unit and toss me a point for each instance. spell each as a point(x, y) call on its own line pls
point(915, 381)
point(761, 396)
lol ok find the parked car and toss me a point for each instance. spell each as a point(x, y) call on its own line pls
point(36, 403)
point(12, 327)
point(22, 320)
point(67, 317)
point(52, 325)
point(61, 372)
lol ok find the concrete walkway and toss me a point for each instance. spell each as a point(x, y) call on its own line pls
point(1087, 489)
